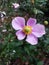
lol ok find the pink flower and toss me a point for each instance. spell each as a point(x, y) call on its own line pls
point(15, 5)
point(32, 30)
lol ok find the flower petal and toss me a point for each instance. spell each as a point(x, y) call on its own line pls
point(18, 23)
point(38, 30)
point(31, 22)
point(15, 5)
point(20, 35)
point(32, 39)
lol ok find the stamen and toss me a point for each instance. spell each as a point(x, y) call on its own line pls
point(27, 30)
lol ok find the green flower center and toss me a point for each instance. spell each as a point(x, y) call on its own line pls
point(27, 30)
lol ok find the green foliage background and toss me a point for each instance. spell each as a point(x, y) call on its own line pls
point(10, 47)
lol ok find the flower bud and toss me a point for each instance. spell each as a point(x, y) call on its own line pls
point(46, 22)
point(32, 1)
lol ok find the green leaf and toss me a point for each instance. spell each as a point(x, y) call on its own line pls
point(40, 63)
point(37, 11)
